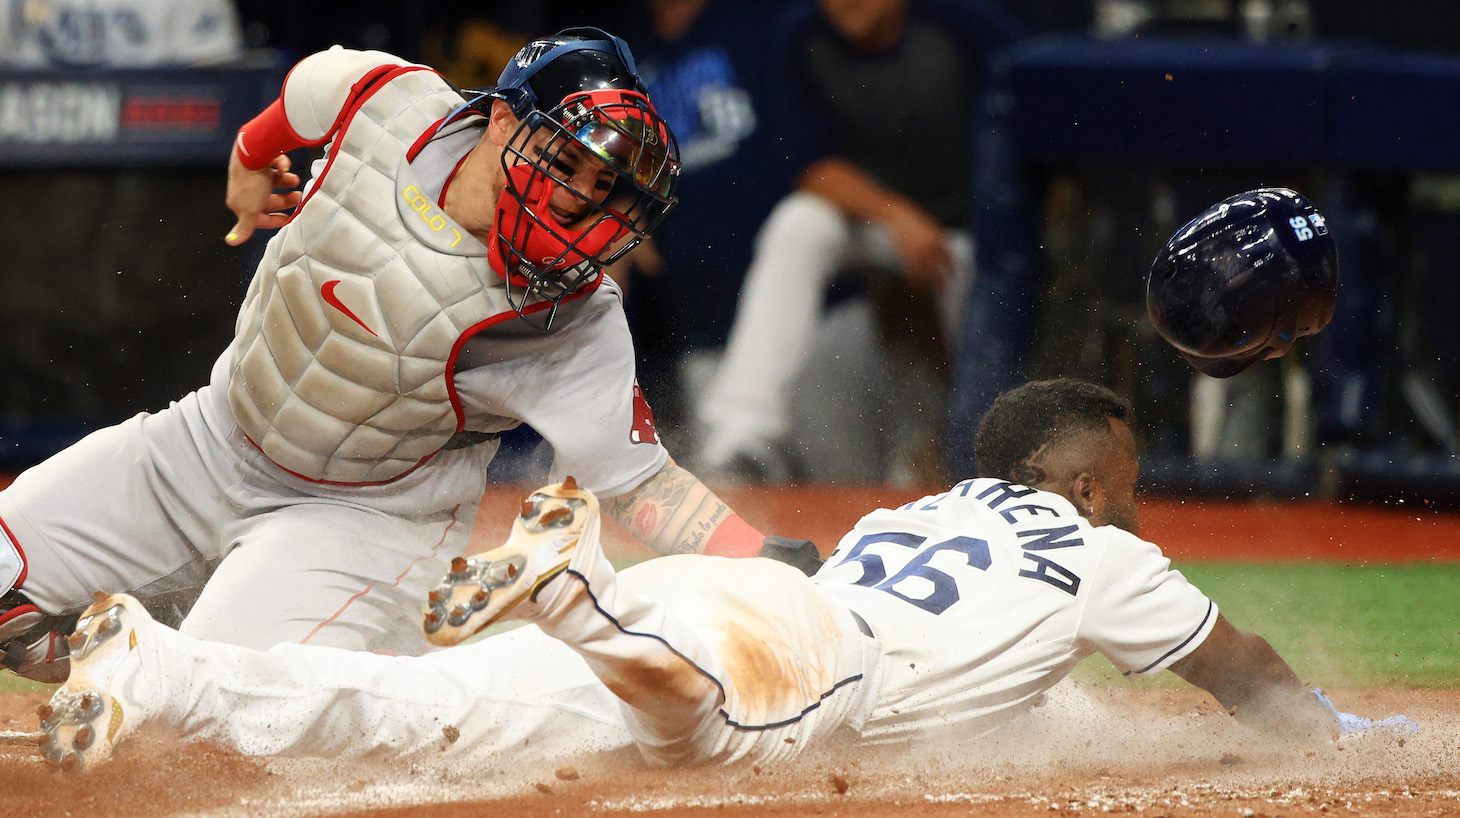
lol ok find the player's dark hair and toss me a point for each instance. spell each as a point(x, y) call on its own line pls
point(1030, 417)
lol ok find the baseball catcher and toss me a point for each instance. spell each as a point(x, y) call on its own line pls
point(438, 282)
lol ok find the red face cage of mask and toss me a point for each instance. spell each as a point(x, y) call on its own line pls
point(586, 182)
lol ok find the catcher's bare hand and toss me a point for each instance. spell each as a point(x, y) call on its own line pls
point(253, 198)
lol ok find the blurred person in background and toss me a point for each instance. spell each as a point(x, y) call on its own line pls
point(717, 73)
point(889, 90)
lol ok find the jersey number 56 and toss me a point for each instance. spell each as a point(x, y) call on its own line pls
point(944, 588)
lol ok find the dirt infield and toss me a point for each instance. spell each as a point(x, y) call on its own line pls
point(1148, 753)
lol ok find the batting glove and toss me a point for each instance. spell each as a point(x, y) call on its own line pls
point(801, 554)
point(1351, 725)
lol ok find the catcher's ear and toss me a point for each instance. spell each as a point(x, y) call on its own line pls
point(501, 123)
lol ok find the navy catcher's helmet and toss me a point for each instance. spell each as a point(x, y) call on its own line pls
point(547, 70)
point(576, 93)
point(1244, 280)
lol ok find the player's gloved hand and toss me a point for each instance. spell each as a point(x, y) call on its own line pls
point(799, 554)
point(32, 643)
point(1351, 725)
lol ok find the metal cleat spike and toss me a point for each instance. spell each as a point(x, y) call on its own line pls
point(435, 597)
point(99, 597)
point(44, 711)
point(82, 739)
point(110, 626)
point(569, 484)
point(458, 565)
point(527, 507)
point(432, 618)
point(71, 763)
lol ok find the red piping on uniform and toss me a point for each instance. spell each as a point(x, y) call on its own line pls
point(441, 202)
point(17, 611)
point(451, 373)
point(450, 388)
point(425, 137)
point(380, 77)
point(497, 319)
point(271, 134)
point(24, 563)
point(371, 586)
point(362, 88)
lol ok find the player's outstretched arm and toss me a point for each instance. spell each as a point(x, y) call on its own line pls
point(674, 513)
point(1253, 682)
point(307, 113)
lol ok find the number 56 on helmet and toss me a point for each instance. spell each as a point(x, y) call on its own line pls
point(1245, 280)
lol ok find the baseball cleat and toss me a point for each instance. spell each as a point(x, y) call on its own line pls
point(489, 587)
point(79, 726)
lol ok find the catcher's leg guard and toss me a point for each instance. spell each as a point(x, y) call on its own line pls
point(32, 642)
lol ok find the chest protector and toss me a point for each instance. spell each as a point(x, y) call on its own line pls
point(345, 346)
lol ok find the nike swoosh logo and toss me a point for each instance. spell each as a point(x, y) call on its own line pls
point(328, 291)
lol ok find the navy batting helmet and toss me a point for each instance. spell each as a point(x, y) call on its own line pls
point(1244, 280)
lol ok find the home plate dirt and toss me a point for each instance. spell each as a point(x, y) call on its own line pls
point(1150, 753)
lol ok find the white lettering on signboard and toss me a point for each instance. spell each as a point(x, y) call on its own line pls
point(60, 112)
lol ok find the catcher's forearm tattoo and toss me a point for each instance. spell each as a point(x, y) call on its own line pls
point(672, 512)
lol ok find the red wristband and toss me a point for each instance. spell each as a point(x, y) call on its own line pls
point(734, 538)
point(266, 136)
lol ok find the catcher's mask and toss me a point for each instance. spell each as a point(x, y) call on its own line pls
point(551, 237)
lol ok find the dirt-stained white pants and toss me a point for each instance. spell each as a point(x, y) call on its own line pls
point(516, 696)
point(694, 659)
point(715, 659)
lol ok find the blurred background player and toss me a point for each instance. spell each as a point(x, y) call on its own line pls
point(439, 282)
point(718, 72)
point(888, 91)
